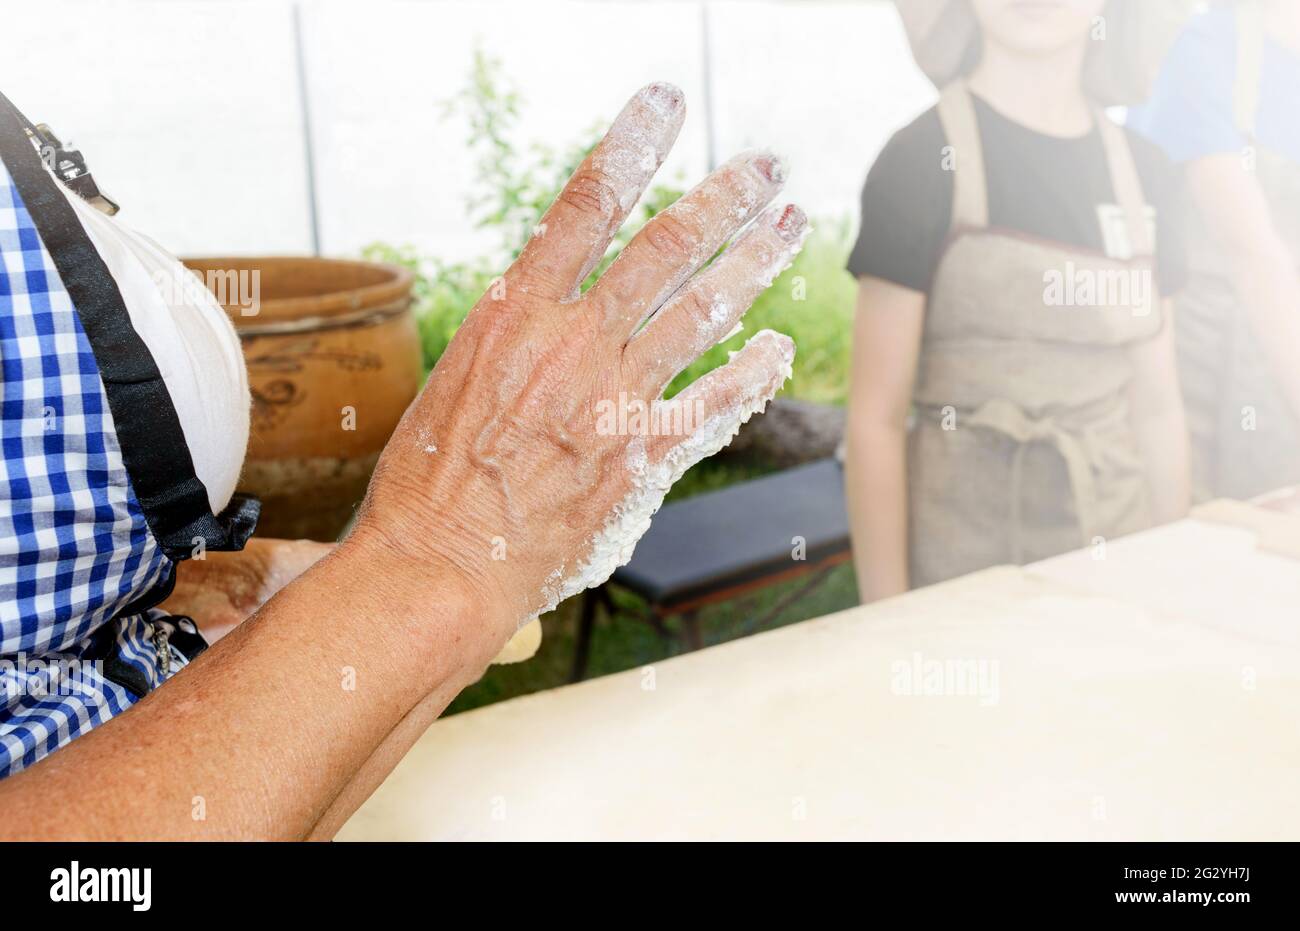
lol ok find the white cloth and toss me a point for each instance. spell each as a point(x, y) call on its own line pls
point(192, 342)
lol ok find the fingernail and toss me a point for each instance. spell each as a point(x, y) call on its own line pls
point(770, 167)
point(791, 223)
point(664, 96)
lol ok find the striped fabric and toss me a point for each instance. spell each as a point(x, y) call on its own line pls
point(74, 545)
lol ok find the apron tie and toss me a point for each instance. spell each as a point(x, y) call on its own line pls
point(1010, 420)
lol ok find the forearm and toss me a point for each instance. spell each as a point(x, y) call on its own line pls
point(381, 762)
point(876, 488)
point(1264, 272)
point(1162, 441)
point(1269, 290)
point(262, 733)
point(1159, 422)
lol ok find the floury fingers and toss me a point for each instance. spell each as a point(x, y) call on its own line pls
point(577, 228)
point(730, 396)
point(708, 309)
point(540, 486)
point(678, 241)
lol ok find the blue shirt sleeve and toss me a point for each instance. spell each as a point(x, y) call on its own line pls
point(1191, 110)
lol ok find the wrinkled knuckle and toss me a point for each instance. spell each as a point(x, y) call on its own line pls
point(717, 401)
point(591, 192)
point(637, 368)
point(494, 323)
point(696, 305)
point(672, 239)
point(748, 188)
point(528, 278)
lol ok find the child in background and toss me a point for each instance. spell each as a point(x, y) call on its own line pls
point(1015, 256)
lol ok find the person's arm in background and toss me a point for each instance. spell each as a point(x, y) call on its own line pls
point(1264, 272)
point(1192, 116)
point(1159, 422)
point(886, 348)
point(283, 727)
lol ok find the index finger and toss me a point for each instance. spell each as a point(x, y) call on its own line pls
point(579, 226)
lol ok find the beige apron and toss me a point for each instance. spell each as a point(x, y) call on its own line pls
point(1022, 446)
point(1226, 376)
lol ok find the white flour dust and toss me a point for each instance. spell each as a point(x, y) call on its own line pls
point(638, 141)
point(612, 546)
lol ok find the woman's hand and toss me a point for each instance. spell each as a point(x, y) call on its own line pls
point(511, 482)
point(539, 449)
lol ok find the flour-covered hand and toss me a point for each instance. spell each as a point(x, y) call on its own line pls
point(540, 448)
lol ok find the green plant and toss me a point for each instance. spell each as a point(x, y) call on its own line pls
point(511, 191)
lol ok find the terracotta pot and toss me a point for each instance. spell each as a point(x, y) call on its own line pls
point(333, 358)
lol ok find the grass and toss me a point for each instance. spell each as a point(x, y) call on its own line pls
point(625, 641)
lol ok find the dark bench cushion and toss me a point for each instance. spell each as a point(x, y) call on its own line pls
point(730, 537)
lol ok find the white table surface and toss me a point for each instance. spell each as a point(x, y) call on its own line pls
point(1154, 694)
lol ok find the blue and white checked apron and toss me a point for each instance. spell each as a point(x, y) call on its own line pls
point(81, 559)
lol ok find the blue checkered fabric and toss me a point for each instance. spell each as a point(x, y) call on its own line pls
point(74, 545)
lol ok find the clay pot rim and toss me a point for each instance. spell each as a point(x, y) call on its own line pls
point(313, 311)
point(366, 316)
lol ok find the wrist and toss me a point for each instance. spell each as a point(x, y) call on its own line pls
point(432, 589)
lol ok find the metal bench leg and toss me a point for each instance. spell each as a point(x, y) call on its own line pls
point(692, 636)
point(591, 600)
point(660, 628)
point(809, 586)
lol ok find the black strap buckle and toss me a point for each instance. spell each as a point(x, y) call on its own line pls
point(70, 165)
point(173, 630)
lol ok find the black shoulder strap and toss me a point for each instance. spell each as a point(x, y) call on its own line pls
point(154, 451)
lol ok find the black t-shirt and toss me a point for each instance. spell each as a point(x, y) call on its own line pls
point(1045, 186)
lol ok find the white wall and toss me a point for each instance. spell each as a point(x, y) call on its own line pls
point(193, 113)
point(188, 113)
point(390, 168)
